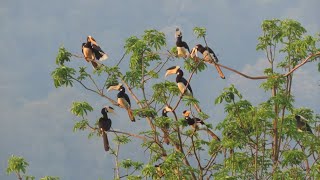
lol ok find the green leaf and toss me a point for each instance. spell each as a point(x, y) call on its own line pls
point(63, 56)
point(121, 139)
point(16, 164)
point(200, 31)
point(80, 125)
point(62, 76)
point(154, 38)
point(189, 100)
point(80, 108)
point(50, 178)
point(293, 157)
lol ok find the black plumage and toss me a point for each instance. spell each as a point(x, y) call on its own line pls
point(198, 124)
point(183, 85)
point(302, 124)
point(208, 56)
point(96, 49)
point(123, 100)
point(205, 51)
point(104, 124)
point(122, 94)
point(181, 79)
point(182, 46)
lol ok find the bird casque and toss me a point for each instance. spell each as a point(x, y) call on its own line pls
point(182, 83)
point(198, 124)
point(182, 47)
point(104, 124)
point(208, 56)
point(123, 100)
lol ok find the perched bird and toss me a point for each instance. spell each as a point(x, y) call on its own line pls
point(208, 56)
point(89, 56)
point(182, 83)
point(159, 171)
point(92, 52)
point(198, 124)
point(123, 100)
point(99, 54)
point(165, 129)
point(302, 124)
point(182, 47)
point(104, 124)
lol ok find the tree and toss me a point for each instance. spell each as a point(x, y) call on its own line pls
point(18, 165)
point(258, 142)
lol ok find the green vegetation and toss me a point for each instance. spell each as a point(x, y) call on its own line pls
point(257, 142)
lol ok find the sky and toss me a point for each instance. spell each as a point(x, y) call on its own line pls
point(35, 118)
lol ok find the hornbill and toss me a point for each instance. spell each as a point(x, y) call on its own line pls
point(198, 124)
point(123, 100)
point(208, 56)
point(99, 54)
point(302, 124)
point(104, 124)
point(182, 83)
point(89, 55)
point(182, 47)
point(159, 170)
point(92, 51)
point(165, 129)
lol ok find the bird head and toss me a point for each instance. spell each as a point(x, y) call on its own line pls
point(178, 33)
point(300, 118)
point(118, 87)
point(166, 109)
point(186, 113)
point(198, 46)
point(109, 109)
point(90, 39)
point(172, 70)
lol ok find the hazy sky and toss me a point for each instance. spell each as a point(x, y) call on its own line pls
point(35, 121)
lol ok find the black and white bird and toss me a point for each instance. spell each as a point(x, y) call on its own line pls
point(104, 124)
point(99, 54)
point(123, 100)
point(165, 129)
point(92, 52)
point(302, 124)
point(182, 47)
point(198, 124)
point(182, 83)
point(208, 56)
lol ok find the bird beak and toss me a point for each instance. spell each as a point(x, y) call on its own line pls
point(172, 70)
point(168, 109)
point(110, 109)
point(116, 87)
point(194, 52)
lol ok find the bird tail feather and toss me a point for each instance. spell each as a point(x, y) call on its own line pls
point(213, 135)
point(219, 71)
point(165, 136)
point(104, 57)
point(105, 141)
point(197, 107)
point(130, 113)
